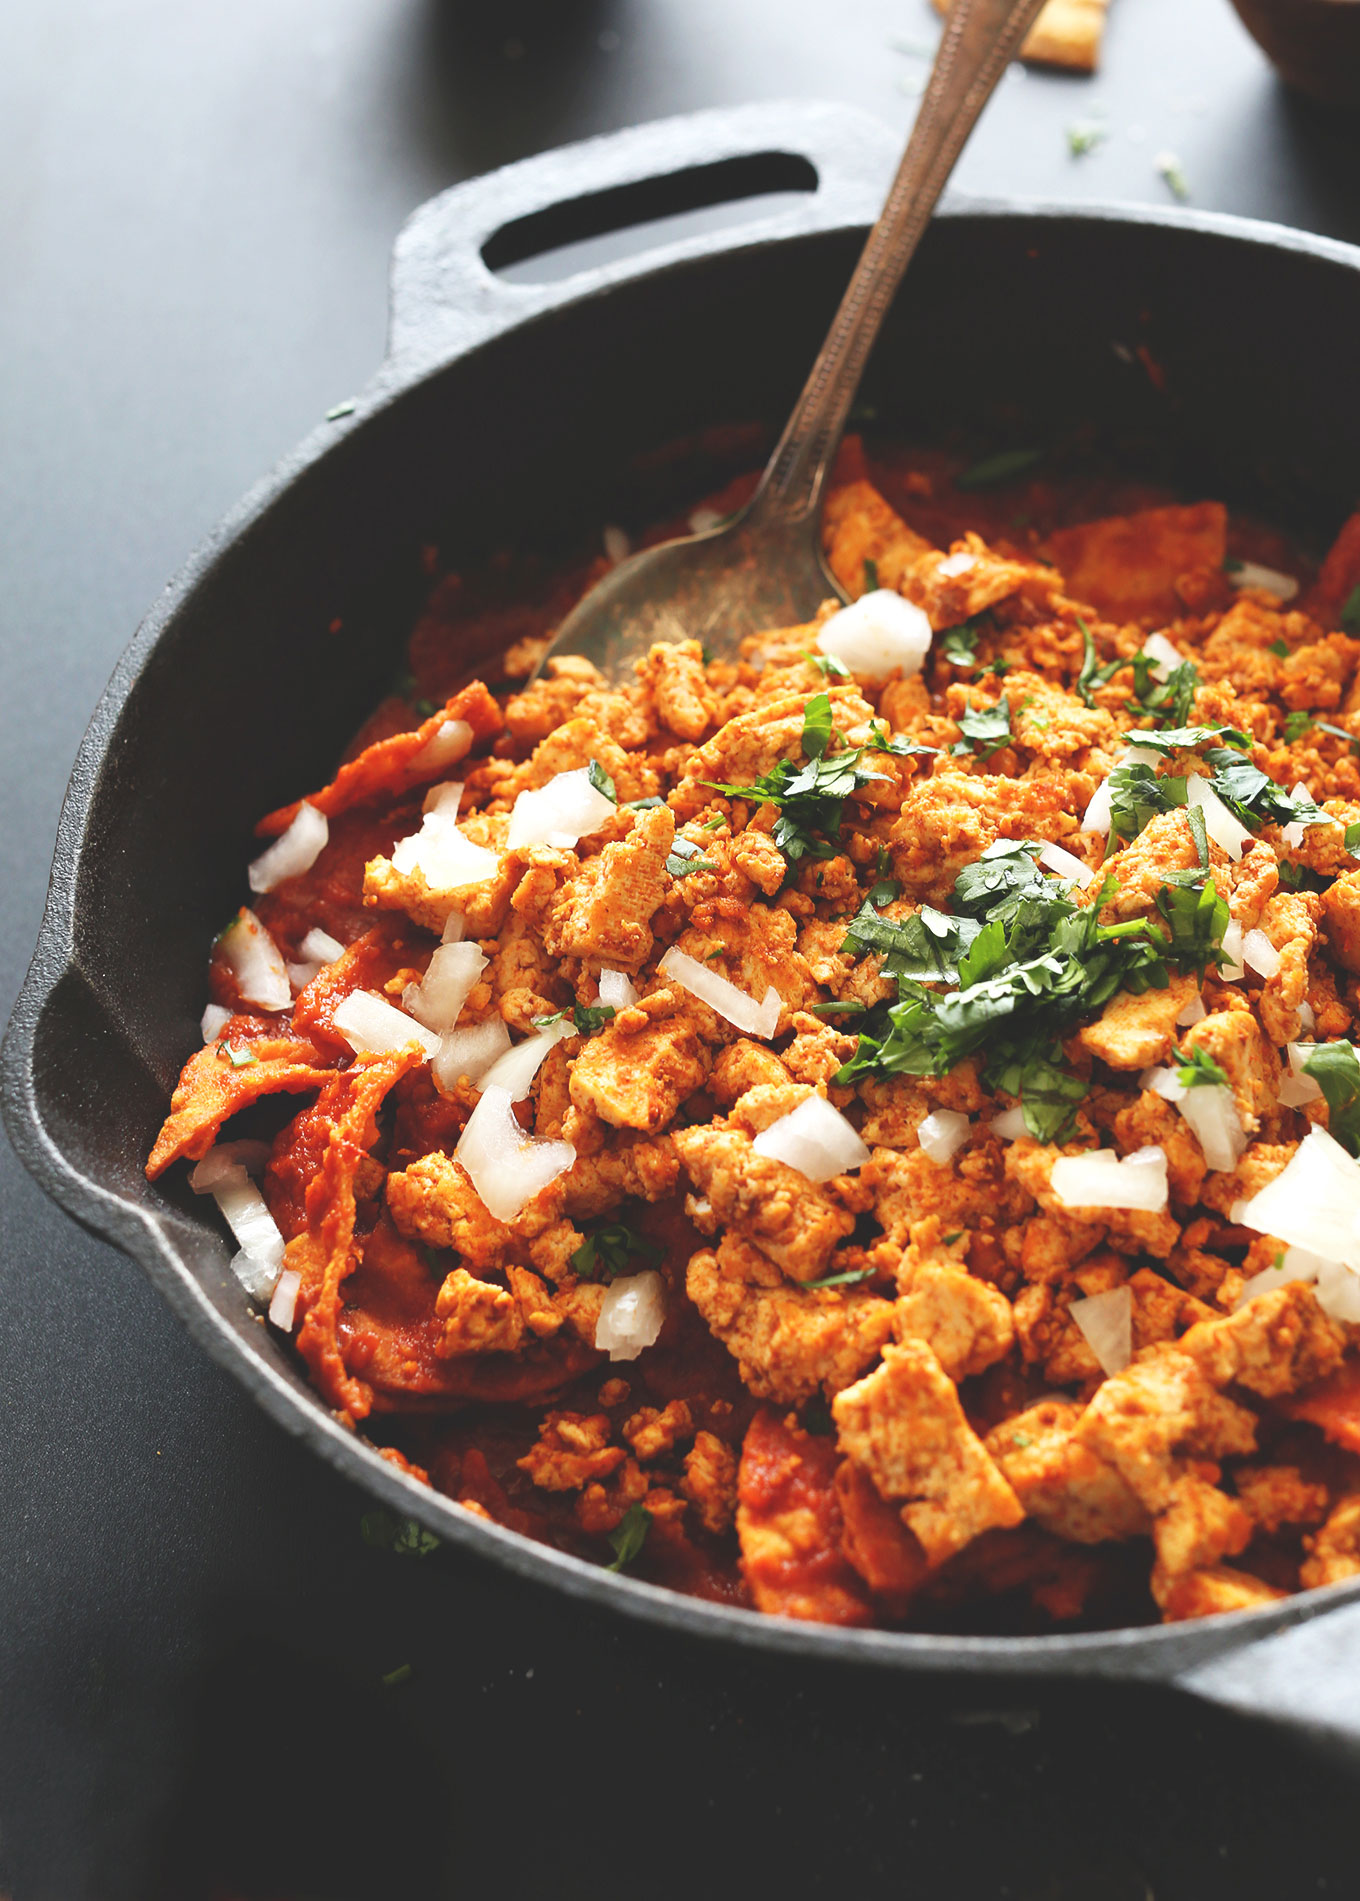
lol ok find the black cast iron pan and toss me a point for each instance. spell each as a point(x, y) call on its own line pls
point(509, 406)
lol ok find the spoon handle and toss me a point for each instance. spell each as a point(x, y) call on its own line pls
point(980, 37)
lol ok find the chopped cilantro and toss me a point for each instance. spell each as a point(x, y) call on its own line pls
point(851, 1006)
point(885, 891)
point(233, 1054)
point(1199, 831)
point(1337, 732)
point(817, 726)
point(685, 857)
point(1137, 794)
point(1255, 799)
point(1295, 726)
point(1021, 1440)
point(870, 573)
point(643, 805)
point(384, 1531)
point(630, 1536)
point(925, 947)
point(608, 1251)
point(1084, 135)
point(993, 470)
point(958, 644)
point(986, 729)
point(817, 1418)
point(949, 1239)
point(601, 781)
point(1350, 613)
point(1351, 839)
point(1168, 701)
point(1279, 648)
point(828, 665)
point(1173, 172)
point(713, 824)
point(1168, 739)
point(426, 708)
point(1198, 1070)
point(338, 410)
point(586, 1017)
point(838, 1280)
point(1335, 1070)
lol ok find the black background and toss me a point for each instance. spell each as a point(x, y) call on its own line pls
point(197, 202)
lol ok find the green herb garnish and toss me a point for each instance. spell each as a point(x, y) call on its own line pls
point(402, 1674)
point(837, 1280)
point(601, 781)
point(1335, 1070)
point(630, 1536)
point(1350, 613)
point(828, 665)
point(959, 644)
point(1198, 1070)
point(685, 857)
point(644, 805)
point(1279, 648)
point(237, 1057)
point(986, 729)
point(609, 1249)
point(993, 470)
point(384, 1531)
point(586, 1018)
point(1295, 726)
point(1084, 135)
point(870, 574)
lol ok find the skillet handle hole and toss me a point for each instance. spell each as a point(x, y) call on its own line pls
point(601, 226)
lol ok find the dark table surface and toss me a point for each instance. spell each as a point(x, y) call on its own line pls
point(196, 208)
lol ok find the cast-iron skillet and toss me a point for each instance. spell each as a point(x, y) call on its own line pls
point(503, 407)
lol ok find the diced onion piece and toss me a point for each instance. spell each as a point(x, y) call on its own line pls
point(444, 856)
point(755, 1019)
point(455, 928)
point(617, 546)
point(1107, 1322)
point(956, 564)
point(1211, 1111)
point(616, 991)
point(259, 1278)
point(878, 635)
point(243, 1208)
point(448, 982)
point(566, 809)
point(1233, 965)
point(300, 975)
point(506, 1166)
point(814, 1138)
point(1101, 1180)
point(293, 852)
point(1194, 1012)
point(283, 1307)
point(1164, 656)
point(1162, 1082)
point(444, 799)
point(1296, 1264)
point(1338, 1291)
point(942, 1135)
point(1219, 822)
point(255, 961)
point(514, 1072)
point(1307, 1021)
point(215, 1020)
point(1251, 574)
point(1260, 954)
point(1098, 814)
point(319, 947)
point(632, 1315)
point(373, 1026)
point(1312, 1203)
point(1010, 1125)
point(1298, 1087)
point(1292, 834)
point(702, 519)
point(451, 742)
point(1067, 865)
point(469, 1052)
point(227, 1159)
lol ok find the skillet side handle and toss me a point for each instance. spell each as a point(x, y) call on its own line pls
point(1304, 1682)
point(445, 300)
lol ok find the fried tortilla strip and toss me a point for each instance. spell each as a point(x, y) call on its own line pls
point(1338, 577)
point(1333, 1404)
point(393, 765)
point(1127, 566)
point(1067, 33)
point(325, 1254)
point(789, 1525)
point(211, 1089)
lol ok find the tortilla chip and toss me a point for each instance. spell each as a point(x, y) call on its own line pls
point(1067, 33)
point(1338, 579)
point(1127, 566)
point(212, 1089)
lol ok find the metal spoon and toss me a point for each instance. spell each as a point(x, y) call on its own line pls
point(764, 568)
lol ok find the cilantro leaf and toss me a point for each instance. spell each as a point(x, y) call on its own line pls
point(1199, 831)
point(384, 1531)
point(828, 665)
point(685, 857)
point(1198, 1070)
point(987, 728)
point(1351, 839)
point(1196, 917)
point(817, 726)
point(959, 644)
point(1334, 1068)
point(1166, 740)
point(1350, 613)
point(885, 891)
point(1254, 798)
point(586, 1017)
point(870, 574)
point(993, 470)
point(1092, 674)
point(609, 1249)
point(630, 1536)
point(643, 805)
point(847, 1279)
point(601, 781)
point(232, 1053)
point(1337, 732)
point(1295, 726)
point(1138, 793)
point(925, 946)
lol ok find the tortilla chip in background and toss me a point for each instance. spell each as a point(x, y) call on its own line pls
point(1126, 566)
point(1067, 33)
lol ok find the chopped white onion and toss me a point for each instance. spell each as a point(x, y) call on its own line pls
point(455, 928)
point(702, 519)
point(1067, 865)
point(1194, 1012)
point(1010, 1125)
point(444, 799)
point(469, 1052)
point(373, 1026)
point(215, 1019)
point(283, 1306)
point(255, 961)
point(1164, 656)
point(1260, 954)
point(1313, 1202)
point(227, 1158)
point(1211, 1111)
point(632, 1315)
point(954, 564)
point(243, 1208)
point(616, 991)
point(1307, 1021)
point(258, 1277)
point(449, 980)
point(1295, 1091)
point(1107, 1322)
point(293, 852)
point(942, 1135)
point(815, 1139)
point(1165, 1083)
point(506, 1166)
point(1232, 967)
point(755, 1019)
point(1338, 1291)
point(1296, 1264)
point(452, 740)
point(1219, 822)
point(1098, 814)
point(514, 1072)
point(566, 809)
point(1100, 1179)
point(1251, 574)
point(300, 975)
point(444, 856)
point(1292, 834)
point(617, 546)
point(878, 635)
point(319, 947)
